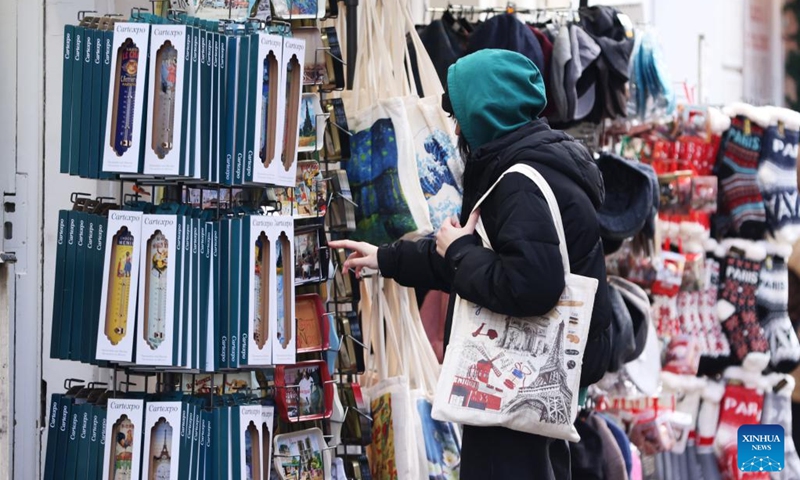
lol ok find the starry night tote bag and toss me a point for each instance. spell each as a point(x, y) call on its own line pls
point(519, 373)
point(404, 169)
point(382, 168)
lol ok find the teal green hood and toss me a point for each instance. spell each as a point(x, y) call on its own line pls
point(493, 93)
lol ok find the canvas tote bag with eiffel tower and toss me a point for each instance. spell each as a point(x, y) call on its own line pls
point(519, 373)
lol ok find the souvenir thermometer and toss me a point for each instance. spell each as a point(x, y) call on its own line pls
point(262, 291)
point(122, 123)
point(164, 101)
point(293, 87)
point(160, 456)
point(269, 110)
point(252, 451)
point(156, 289)
point(285, 282)
point(119, 286)
point(121, 443)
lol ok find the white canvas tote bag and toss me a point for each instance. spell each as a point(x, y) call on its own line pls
point(519, 373)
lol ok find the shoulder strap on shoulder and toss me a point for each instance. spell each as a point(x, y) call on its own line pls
point(549, 197)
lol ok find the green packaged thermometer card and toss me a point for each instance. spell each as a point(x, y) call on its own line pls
point(87, 98)
point(84, 440)
point(97, 252)
point(115, 326)
point(260, 256)
point(86, 351)
point(231, 72)
point(283, 324)
point(66, 97)
point(79, 292)
point(123, 142)
point(69, 286)
point(293, 58)
point(250, 435)
point(235, 303)
point(225, 295)
point(70, 467)
point(108, 43)
point(155, 336)
point(52, 437)
point(77, 105)
point(217, 105)
point(94, 116)
point(162, 151)
point(122, 456)
point(58, 289)
point(161, 450)
point(270, 111)
point(243, 75)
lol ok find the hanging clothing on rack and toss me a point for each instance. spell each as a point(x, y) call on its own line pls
point(506, 32)
point(445, 40)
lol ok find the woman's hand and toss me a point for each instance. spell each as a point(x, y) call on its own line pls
point(451, 230)
point(364, 255)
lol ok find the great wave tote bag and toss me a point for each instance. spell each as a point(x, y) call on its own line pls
point(519, 373)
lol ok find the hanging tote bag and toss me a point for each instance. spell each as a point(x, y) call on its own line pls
point(393, 452)
point(382, 167)
point(439, 165)
point(401, 378)
point(519, 373)
point(438, 443)
point(404, 169)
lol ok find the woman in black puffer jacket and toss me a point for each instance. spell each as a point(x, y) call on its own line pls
point(496, 97)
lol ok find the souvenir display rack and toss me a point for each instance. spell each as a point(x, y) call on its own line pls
point(242, 386)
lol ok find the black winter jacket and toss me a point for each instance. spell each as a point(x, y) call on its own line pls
point(523, 274)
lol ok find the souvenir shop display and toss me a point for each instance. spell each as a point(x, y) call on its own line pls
point(186, 290)
point(235, 344)
point(186, 98)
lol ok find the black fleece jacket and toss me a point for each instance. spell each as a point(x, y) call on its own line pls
point(523, 274)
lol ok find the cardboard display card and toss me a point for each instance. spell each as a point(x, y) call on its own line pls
point(270, 111)
point(293, 56)
point(52, 436)
point(60, 273)
point(126, 98)
point(260, 256)
point(213, 311)
point(115, 334)
point(252, 114)
point(79, 290)
point(155, 337)
point(66, 98)
point(163, 152)
point(250, 437)
point(234, 320)
point(162, 452)
point(123, 447)
point(283, 324)
point(77, 106)
point(177, 324)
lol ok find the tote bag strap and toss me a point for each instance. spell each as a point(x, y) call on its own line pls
point(549, 197)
